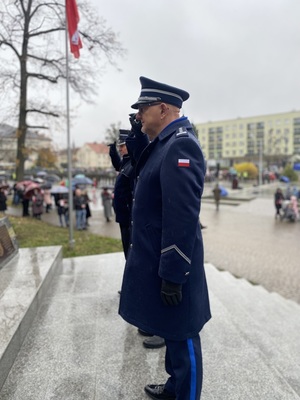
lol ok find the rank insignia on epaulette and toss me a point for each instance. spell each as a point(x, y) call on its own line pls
point(181, 132)
point(183, 162)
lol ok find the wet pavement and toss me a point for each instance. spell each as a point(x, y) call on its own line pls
point(245, 240)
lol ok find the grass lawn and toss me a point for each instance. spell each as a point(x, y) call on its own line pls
point(34, 233)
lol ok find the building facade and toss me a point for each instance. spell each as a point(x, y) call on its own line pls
point(8, 146)
point(93, 156)
point(275, 136)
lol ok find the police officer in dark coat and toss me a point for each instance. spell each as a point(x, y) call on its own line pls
point(122, 202)
point(164, 288)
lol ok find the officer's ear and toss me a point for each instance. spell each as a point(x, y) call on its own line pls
point(163, 108)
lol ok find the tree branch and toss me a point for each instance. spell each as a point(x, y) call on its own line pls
point(34, 110)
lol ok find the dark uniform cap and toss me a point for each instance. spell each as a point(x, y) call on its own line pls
point(153, 92)
point(123, 134)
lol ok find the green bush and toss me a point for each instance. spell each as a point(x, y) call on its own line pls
point(290, 173)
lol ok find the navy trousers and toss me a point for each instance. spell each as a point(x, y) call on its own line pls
point(184, 365)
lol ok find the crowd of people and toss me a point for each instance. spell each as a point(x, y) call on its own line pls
point(37, 200)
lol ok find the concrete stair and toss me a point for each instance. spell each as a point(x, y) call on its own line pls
point(79, 348)
point(254, 322)
point(24, 281)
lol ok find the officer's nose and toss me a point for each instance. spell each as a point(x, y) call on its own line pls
point(138, 116)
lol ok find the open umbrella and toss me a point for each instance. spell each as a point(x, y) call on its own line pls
point(224, 192)
point(38, 180)
point(32, 187)
point(4, 186)
point(46, 185)
point(82, 181)
point(23, 184)
point(41, 173)
point(284, 179)
point(59, 189)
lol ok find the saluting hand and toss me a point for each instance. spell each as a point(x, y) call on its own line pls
point(136, 126)
point(112, 148)
point(170, 293)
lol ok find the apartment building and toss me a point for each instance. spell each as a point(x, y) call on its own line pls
point(93, 156)
point(276, 136)
point(8, 145)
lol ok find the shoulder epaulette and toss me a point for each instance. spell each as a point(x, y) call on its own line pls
point(182, 132)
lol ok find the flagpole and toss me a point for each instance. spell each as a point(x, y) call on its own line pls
point(71, 240)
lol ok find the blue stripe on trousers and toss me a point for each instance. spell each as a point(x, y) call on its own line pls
point(193, 369)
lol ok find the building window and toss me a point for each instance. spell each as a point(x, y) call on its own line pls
point(241, 126)
point(286, 121)
point(278, 121)
point(241, 134)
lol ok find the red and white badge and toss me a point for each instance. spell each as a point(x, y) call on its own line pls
point(183, 162)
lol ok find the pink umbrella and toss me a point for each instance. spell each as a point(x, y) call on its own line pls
point(30, 188)
point(22, 184)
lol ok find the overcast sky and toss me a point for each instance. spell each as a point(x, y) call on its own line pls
point(235, 58)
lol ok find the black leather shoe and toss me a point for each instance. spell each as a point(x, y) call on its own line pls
point(158, 392)
point(144, 333)
point(154, 342)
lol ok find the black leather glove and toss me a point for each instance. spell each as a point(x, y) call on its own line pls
point(170, 293)
point(112, 148)
point(136, 126)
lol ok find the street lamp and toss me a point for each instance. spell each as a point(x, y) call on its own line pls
point(260, 164)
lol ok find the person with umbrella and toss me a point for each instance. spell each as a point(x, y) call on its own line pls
point(47, 197)
point(37, 203)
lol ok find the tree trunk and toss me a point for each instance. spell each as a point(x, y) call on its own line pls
point(21, 131)
point(22, 126)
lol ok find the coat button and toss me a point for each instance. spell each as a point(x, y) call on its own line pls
point(131, 245)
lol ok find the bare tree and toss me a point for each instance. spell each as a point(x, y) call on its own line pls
point(33, 58)
point(112, 133)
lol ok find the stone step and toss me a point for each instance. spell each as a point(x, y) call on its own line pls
point(270, 324)
point(24, 281)
point(235, 367)
point(78, 347)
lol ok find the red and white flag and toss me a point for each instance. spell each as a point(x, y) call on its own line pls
point(73, 19)
point(183, 162)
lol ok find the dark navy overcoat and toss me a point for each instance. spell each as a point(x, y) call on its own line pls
point(166, 237)
point(123, 188)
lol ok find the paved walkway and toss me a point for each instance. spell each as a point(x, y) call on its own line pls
point(245, 240)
